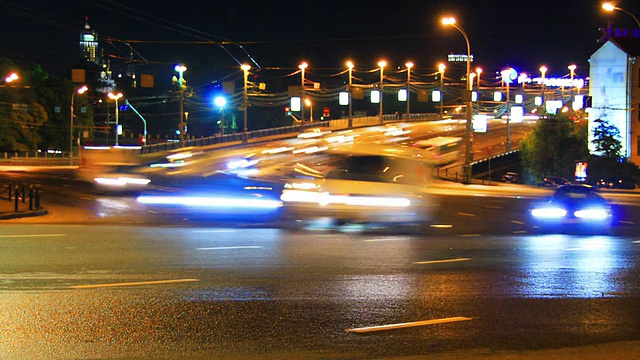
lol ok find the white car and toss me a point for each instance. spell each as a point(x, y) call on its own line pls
point(369, 184)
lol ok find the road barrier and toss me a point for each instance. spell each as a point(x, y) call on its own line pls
point(16, 193)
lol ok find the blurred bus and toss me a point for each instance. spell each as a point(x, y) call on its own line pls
point(441, 150)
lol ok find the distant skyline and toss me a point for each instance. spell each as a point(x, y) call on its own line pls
point(325, 34)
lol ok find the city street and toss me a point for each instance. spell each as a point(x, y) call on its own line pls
point(104, 291)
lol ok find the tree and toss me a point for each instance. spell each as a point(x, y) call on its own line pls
point(553, 147)
point(606, 138)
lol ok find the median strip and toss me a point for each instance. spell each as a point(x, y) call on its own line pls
point(441, 261)
point(139, 283)
point(407, 325)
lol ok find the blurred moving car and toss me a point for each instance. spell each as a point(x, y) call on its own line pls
point(441, 150)
point(554, 181)
point(617, 183)
point(573, 207)
point(370, 184)
point(510, 177)
point(313, 133)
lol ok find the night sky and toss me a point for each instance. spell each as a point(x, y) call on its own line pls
point(279, 34)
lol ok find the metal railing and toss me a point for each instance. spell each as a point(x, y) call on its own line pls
point(16, 193)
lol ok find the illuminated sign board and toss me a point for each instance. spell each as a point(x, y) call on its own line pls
point(375, 97)
point(458, 58)
point(577, 83)
point(296, 104)
point(436, 96)
point(479, 123)
point(402, 95)
point(343, 98)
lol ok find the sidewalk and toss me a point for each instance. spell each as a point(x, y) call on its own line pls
point(8, 209)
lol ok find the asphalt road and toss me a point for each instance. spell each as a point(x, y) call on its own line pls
point(105, 291)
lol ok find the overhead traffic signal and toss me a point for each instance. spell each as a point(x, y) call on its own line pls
point(287, 110)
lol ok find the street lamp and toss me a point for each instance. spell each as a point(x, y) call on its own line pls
point(466, 170)
point(381, 64)
point(409, 65)
point(350, 66)
point(572, 74)
point(309, 104)
point(81, 90)
point(441, 68)
point(245, 103)
point(302, 67)
point(543, 72)
point(479, 71)
point(610, 7)
point(180, 69)
point(116, 97)
point(506, 78)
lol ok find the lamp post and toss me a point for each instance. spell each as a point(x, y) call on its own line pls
point(381, 64)
point(245, 102)
point(350, 90)
point(610, 7)
point(441, 68)
point(180, 69)
point(302, 67)
point(507, 80)
point(466, 170)
point(543, 72)
point(409, 65)
point(572, 74)
point(220, 102)
point(116, 97)
point(479, 71)
point(81, 90)
point(310, 105)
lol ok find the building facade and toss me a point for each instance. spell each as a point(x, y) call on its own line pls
point(615, 92)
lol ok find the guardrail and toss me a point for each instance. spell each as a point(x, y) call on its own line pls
point(481, 167)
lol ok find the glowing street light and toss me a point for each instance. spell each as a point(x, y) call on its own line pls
point(245, 102)
point(409, 65)
point(116, 97)
point(81, 90)
point(221, 102)
point(309, 104)
point(543, 72)
point(610, 8)
point(441, 68)
point(350, 66)
point(381, 64)
point(303, 66)
point(478, 71)
point(466, 170)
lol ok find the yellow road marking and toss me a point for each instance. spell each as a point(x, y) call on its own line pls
point(441, 261)
point(31, 235)
point(469, 235)
point(517, 222)
point(441, 226)
point(156, 282)
point(465, 214)
point(407, 325)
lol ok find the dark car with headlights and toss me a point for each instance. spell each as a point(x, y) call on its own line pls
point(573, 207)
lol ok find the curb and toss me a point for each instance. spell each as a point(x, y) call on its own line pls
point(23, 214)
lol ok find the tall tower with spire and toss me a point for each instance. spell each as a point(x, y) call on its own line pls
point(89, 43)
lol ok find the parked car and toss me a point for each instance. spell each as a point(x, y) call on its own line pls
point(617, 183)
point(554, 181)
point(510, 177)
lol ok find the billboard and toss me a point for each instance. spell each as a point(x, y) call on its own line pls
point(609, 90)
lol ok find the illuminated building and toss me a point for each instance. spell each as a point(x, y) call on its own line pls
point(614, 74)
point(89, 43)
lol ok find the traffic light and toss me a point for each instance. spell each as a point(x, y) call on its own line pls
point(143, 140)
point(287, 110)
